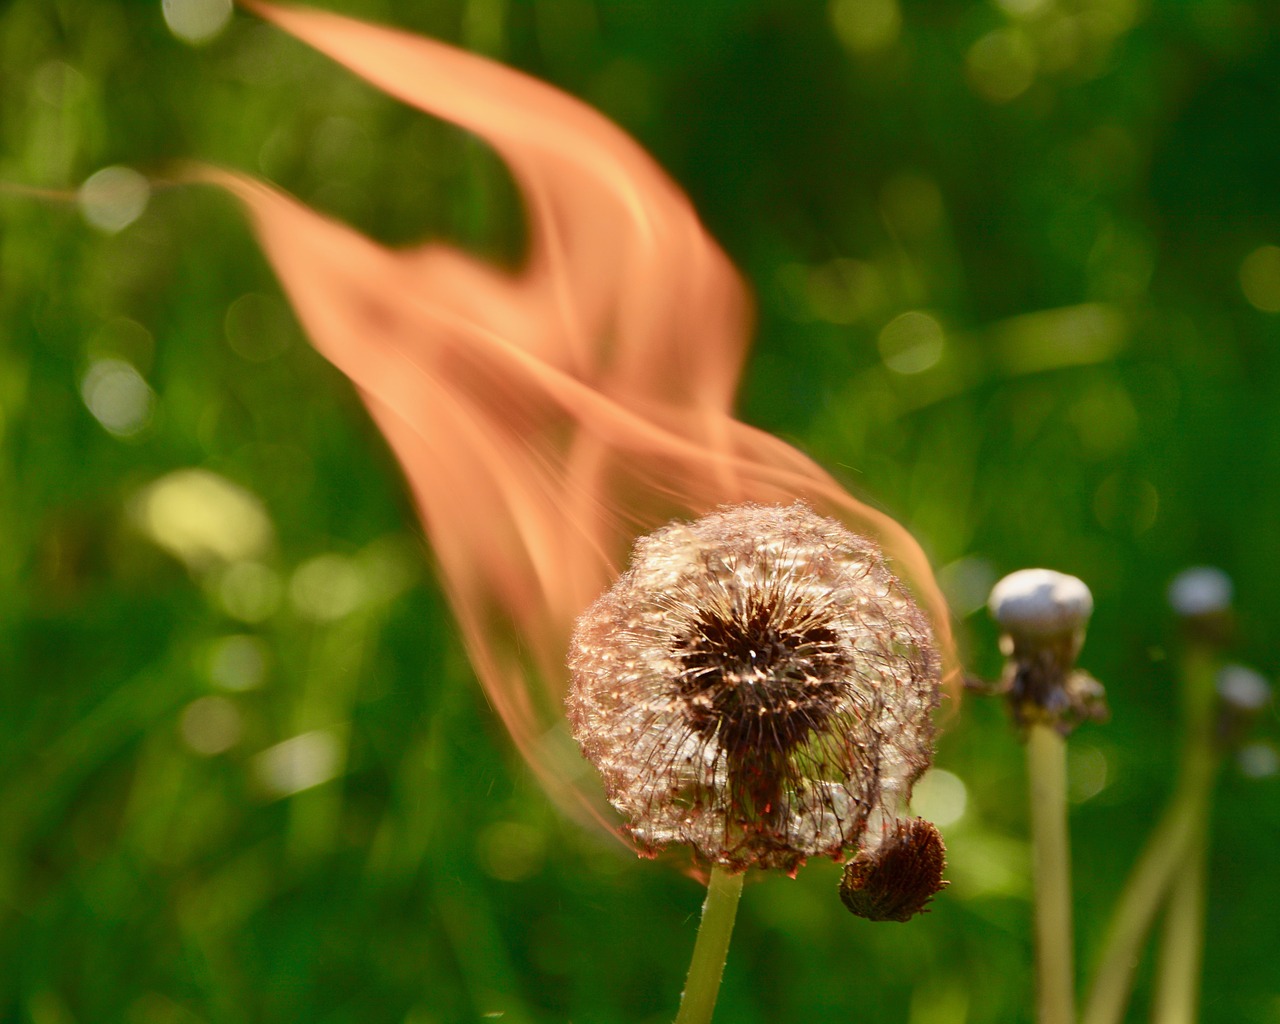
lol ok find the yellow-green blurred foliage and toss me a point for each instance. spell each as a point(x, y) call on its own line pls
point(1018, 277)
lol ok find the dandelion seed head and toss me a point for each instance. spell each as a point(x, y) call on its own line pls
point(758, 685)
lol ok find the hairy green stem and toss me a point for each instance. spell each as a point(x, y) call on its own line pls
point(1047, 776)
point(711, 948)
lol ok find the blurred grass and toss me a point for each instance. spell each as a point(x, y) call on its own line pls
point(1062, 193)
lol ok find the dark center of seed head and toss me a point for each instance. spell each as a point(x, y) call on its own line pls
point(759, 686)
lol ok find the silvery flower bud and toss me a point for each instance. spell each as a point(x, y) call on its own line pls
point(757, 685)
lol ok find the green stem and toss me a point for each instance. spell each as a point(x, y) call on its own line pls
point(1177, 993)
point(711, 947)
point(1165, 853)
point(1047, 776)
point(1169, 861)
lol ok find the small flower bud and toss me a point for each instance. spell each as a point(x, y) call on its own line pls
point(1258, 760)
point(1201, 597)
point(1201, 590)
point(895, 881)
point(758, 686)
point(1242, 695)
point(1042, 615)
point(1243, 689)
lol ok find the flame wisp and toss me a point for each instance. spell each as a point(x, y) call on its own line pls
point(543, 418)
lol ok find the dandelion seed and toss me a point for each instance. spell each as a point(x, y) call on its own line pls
point(759, 686)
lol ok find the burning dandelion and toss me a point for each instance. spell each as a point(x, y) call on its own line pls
point(547, 416)
point(759, 686)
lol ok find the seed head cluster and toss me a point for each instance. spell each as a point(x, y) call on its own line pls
point(759, 686)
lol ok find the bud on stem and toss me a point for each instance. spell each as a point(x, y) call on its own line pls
point(1043, 615)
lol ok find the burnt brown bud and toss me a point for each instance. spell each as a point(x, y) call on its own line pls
point(895, 881)
point(758, 685)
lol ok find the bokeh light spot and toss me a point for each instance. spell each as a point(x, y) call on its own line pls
point(117, 396)
point(258, 327)
point(840, 291)
point(1023, 8)
point(249, 591)
point(1061, 41)
point(328, 587)
point(1001, 65)
point(155, 1008)
point(237, 662)
point(911, 343)
point(1104, 417)
point(203, 518)
point(1260, 278)
point(1086, 773)
point(389, 566)
point(510, 850)
point(113, 198)
point(299, 763)
point(339, 148)
point(1047, 339)
point(966, 582)
point(982, 863)
point(1126, 505)
point(940, 797)
point(913, 204)
point(941, 999)
point(122, 338)
point(625, 88)
point(211, 725)
point(865, 26)
point(1121, 262)
point(58, 83)
point(196, 21)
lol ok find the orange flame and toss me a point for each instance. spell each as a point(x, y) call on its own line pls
point(545, 418)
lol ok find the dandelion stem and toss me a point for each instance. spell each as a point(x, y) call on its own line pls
point(711, 948)
point(1047, 775)
point(1182, 946)
point(1173, 859)
point(1164, 855)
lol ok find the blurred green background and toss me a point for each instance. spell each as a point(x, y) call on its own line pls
point(1018, 284)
